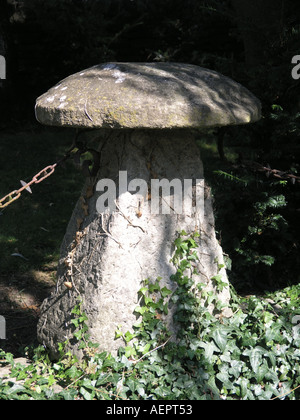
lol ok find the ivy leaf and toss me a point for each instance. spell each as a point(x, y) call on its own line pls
point(224, 378)
point(165, 292)
point(211, 383)
point(220, 337)
point(88, 396)
point(261, 372)
point(209, 348)
point(68, 394)
point(268, 318)
point(15, 388)
point(273, 333)
point(128, 336)
point(143, 291)
point(243, 385)
point(236, 368)
point(73, 372)
point(255, 357)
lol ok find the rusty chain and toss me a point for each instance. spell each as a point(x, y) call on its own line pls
point(49, 170)
point(276, 173)
point(39, 177)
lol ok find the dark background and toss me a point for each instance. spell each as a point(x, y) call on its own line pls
point(252, 41)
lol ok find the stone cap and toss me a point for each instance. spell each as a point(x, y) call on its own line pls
point(147, 95)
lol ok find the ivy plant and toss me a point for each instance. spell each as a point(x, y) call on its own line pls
point(254, 355)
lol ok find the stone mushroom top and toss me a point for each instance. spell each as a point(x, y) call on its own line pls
point(147, 95)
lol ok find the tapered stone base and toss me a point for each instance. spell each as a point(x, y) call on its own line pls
point(106, 256)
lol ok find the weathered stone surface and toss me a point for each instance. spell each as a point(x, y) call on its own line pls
point(147, 95)
point(112, 254)
point(105, 256)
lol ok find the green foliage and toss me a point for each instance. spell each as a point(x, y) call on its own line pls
point(257, 213)
point(252, 355)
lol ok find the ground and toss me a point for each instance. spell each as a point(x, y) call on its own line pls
point(21, 306)
point(32, 228)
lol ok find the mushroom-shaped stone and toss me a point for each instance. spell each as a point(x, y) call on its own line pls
point(149, 186)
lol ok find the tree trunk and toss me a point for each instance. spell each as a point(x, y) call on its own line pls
point(107, 255)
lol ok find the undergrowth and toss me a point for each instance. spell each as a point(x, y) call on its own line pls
point(252, 355)
point(257, 211)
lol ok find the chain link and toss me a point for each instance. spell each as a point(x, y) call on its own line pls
point(9, 198)
point(276, 173)
point(45, 172)
point(36, 179)
point(39, 177)
point(49, 170)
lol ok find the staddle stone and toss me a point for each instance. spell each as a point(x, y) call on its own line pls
point(144, 116)
point(147, 95)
